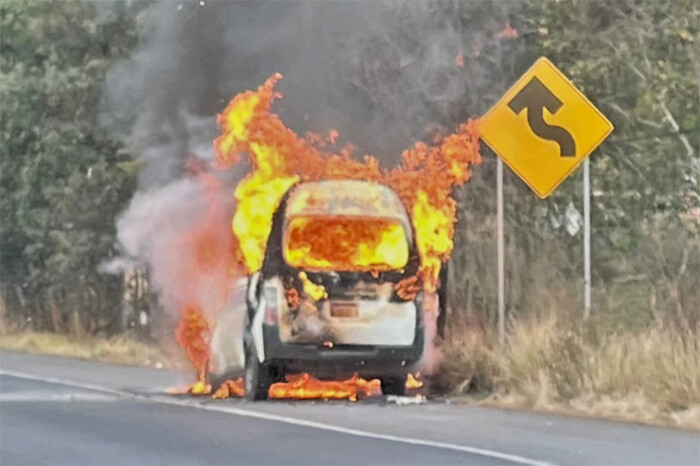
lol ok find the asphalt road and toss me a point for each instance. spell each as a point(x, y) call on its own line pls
point(63, 411)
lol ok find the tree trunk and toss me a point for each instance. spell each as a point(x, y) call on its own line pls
point(3, 310)
point(675, 297)
point(55, 312)
point(76, 323)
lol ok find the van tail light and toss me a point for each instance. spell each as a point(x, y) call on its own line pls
point(271, 306)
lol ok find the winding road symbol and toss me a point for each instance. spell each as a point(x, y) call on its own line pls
point(543, 127)
point(535, 97)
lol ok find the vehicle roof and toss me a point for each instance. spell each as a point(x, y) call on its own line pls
point(347, 198)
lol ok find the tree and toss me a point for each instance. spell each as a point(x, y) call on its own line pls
point(63, 179)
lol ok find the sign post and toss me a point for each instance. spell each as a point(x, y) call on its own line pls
point(501, 257)
point(543, 128)
point(586, 238)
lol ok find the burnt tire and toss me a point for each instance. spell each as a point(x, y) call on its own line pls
point(256, 377)
point(393, 385)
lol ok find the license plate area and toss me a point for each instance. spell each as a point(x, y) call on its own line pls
point(344, 310)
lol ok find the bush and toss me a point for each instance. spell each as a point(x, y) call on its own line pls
point(550, 364)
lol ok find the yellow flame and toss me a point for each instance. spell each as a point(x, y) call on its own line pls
point(434, 231)
point(311, 289)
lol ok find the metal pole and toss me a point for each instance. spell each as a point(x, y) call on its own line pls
point(501, 259)
point(586, 238)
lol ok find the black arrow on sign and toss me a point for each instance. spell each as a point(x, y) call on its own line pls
point(535, 97)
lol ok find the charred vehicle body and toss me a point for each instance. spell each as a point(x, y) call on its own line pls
point(328, 299)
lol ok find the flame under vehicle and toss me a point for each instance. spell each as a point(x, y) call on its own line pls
point(328, 297)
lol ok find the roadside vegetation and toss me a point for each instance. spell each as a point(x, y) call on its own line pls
point(118, 349)
point(548, 364)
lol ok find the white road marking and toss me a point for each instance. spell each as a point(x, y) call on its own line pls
point(67, 383)
point(286, 420)
point(34, 396)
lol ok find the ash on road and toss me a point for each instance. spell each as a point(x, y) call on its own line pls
point(63, 411)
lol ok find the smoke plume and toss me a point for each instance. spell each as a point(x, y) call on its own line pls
point(341, 60)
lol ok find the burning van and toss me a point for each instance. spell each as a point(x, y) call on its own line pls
point(342, 276)
point(328, 297)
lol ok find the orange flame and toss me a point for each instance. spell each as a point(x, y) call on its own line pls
point(280, 158)
point(193, 334)
point(207, 251)
point(304, 386)
point(321, 244)
point(412, 382)
point(230, 388)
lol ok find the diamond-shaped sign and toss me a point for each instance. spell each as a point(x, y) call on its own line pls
point(543, 127)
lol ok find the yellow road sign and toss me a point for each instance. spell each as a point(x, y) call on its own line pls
point(544, 127)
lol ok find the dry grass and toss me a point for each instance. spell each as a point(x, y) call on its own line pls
point(118, 349)
point(652, 376)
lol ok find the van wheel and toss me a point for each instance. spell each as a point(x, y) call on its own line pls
point(393, 385)
point(257, 377)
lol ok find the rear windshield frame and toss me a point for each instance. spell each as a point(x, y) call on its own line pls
point(274, 263)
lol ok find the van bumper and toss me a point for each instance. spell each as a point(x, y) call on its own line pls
point(366, 360)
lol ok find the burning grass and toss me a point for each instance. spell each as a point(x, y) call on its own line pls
point(652, 376)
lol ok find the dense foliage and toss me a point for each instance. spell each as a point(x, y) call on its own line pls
point(63, 179)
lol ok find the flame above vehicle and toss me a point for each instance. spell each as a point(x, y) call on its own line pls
point(279, 157)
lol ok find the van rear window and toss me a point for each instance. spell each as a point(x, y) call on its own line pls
point(344, 244)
